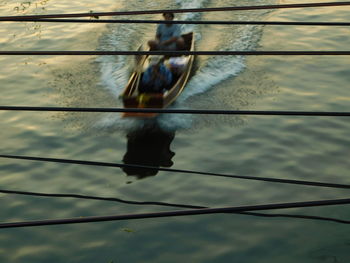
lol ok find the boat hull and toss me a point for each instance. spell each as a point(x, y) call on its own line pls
point(133, 99)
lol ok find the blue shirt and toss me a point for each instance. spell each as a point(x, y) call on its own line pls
point(166, 32)
point(159, 83)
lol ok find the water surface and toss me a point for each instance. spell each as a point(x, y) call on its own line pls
point(300, 148)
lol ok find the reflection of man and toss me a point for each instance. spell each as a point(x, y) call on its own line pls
point(168, 36)
point(150, 147)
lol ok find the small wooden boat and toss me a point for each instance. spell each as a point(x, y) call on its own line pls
point(131, 96)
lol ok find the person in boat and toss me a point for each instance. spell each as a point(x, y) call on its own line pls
point(157, 77)
point(168, 36)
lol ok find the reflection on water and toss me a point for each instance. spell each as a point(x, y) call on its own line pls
point(148, 146)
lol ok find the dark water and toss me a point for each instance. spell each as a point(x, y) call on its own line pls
point(300, 148)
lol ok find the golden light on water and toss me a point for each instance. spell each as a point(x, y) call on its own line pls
point(297, 148)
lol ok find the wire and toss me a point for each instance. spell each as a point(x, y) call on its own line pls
point(176, 53)
point(113, 199)
point(215, 22)
point(336, 220)
point(274, 180)
point(180, 111)
point(189, 212)
point(188, 10)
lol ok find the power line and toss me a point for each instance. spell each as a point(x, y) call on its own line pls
point(113, 199)
point(180, 111)
point(116, 165)
point(188, 10)
point(336, 220)
point(189, 212)
point(199, 22)
point(176, 53)
point(97, 198)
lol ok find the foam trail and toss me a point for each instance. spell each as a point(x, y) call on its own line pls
point(220, 68)
point(115, 70)
point(190, 16)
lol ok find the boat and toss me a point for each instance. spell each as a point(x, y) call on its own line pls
point(131, 96)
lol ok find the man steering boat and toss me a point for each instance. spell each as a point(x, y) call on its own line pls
point(168, 36)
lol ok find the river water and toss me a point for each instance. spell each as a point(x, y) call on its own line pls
point(299, 148)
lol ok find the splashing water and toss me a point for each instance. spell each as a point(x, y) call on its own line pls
point(190, 16)
point(220, 68)
point(116, 70)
